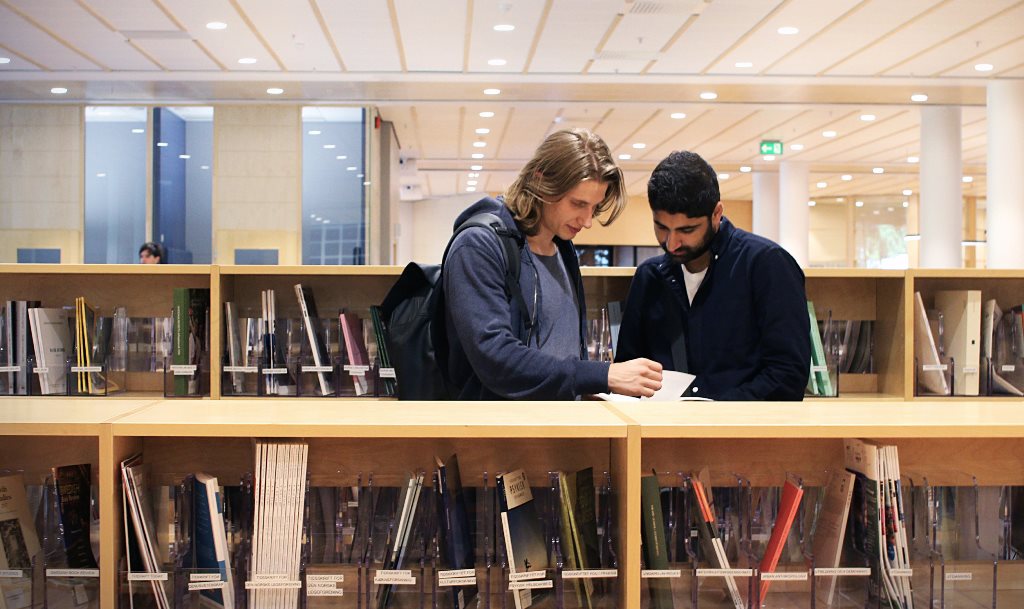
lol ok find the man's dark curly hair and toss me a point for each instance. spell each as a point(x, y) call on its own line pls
point(684, 183)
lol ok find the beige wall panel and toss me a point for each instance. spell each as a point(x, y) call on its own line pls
point(69, 242)
point(740, 213)
point(634, 226)
point(432, 225)
point(827, 242)
point(41, 164)
point(229, 240)
point(257, 182)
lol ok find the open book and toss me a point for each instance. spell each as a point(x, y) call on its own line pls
point(673, 385)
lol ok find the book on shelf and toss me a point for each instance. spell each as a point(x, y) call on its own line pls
point(188, 342)
point(51, 341)
point(273, 352)
point(399, 537)
point(1007, 354)
point(380, 334)
point(18, 338)
point(355, 348)
point(928, 373)
point(961, 314)
point(830, 530)
point(521, 526)
point(455, 540)
point(578, 529)
point(209, 540)
point(72, 484)
point(614, 322)
point(789, 504)
point(653, 541)
point(140, 526)
point(19, 542)
point(314, 334)
point(233, 346)
point(711, 543)
point(279, 505)
point(819, 382)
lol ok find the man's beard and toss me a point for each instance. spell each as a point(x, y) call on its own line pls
point(684, 255)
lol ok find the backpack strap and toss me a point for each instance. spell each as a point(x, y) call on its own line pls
point(512, 243)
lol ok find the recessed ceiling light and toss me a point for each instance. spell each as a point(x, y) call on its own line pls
point(796, 147)
point(708, 95)
point(867, 118)
point(745, 169)
point(359, 175)
point(769, 157)
point(496, 62)
point(312, 132)
point(639, 146)
point(5, 60)
point(811, 203)
point(329, 146)
point(185, 156)
point(829, 133)
point(161, 144)
point(723, 176)
point(788, 30)
point(876, 212)
point(351, 168)
point(58, 90)
point(918, 97)
point(877, 170)
point(822, 184)
point(247, 60)
point(890, 209)
point(968, 179)
point(907, 192)
point(504, 27)
point(275, 91)
point(859, 203)
point(204, 166)
point(138, 130)
point(678, 115)
point(476, 167)
point(912, 159)
point(477, 155)
point(473, 174)
point(216, 25)
point(101, 175)
point(625, 157)
point(744, 64)
point(906, 204)
point(492, 91)
point(486, 115)
point(479, 144)
point(471, 189)
point(341, 157)
point(483, 131)
point(326, 221)
point(846, 177)
point(471, 182)
point(983, 67)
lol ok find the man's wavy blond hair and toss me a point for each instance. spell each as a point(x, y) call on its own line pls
point(564, 160)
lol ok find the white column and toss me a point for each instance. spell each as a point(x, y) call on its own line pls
point(1005, 205)
point(940, 216)
point(794, 215)
point(766, 204)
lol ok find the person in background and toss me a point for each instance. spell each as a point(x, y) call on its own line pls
point(152, 253)
point(494, 351)
point(720, 303)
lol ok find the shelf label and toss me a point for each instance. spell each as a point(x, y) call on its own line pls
point(18, 368)
point(821, 369)
point(388, 373)
point(331, 578)
point(1008, 368)
point(785, 576)
point(316, 591)
point(318, 368)
point(901, 572)
point(147, 577)
point(243, 369)
point(724, 572)
point(456, 573)
point(525, 575)
point(660, 573)
point(275, 371)
point(934, 367)
point(531, 584)
point(273, 585)
point(970, 370)
point(11, 573)
point(846, 571)
point(217, 585)
point(355, 370)
point(204, 577)
point(456, 581)
point(87, 368)
point(589, 573)
point(41, 370)
point(962, 576)
point(72, 573)
point(399, 577)
point(183, 369)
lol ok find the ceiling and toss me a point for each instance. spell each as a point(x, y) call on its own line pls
point(625, 68)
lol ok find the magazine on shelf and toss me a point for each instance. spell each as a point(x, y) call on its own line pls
point(51, 340)
point(930, 376)
point(455, 540)
point(961, 313)
point(653, 542)
point(19, 543)
point(521, 525)
point(355, 348)
point(710, 542)
point(315, 335)
point(830, 530)
point(141, 534)
point(72, 484)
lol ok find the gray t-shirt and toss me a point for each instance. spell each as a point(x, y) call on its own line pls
point(558, 322)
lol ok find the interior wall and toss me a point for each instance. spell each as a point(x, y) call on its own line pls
point(41, 187)
point(828, 241)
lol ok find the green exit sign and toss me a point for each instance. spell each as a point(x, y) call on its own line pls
point(771, 147)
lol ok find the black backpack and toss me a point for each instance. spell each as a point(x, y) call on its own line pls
point(414, 319)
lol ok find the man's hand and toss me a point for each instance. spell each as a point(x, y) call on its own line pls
point(637, 377)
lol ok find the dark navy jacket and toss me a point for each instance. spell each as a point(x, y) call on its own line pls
point(488, 357)
point(747, 332)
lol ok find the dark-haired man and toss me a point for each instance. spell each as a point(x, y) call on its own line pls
point(721, 303)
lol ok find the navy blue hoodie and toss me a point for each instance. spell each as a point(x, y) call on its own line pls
point(488, 358)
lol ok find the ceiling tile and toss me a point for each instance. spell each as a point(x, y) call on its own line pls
point(433, 34)
point(228, 45)
point(573, 30)
point(514, 46)
point(363, 34)
point(292, 31)
point(38, 46)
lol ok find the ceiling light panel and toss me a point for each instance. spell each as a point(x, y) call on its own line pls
point(514, 46)
point(767, 45)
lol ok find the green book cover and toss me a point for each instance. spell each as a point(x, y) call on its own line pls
point(652, 537)
point(820, 383)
